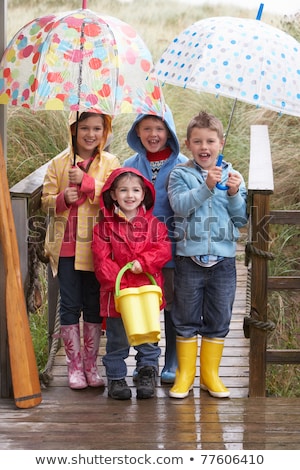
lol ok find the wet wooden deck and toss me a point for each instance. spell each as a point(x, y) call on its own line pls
point(89, 420)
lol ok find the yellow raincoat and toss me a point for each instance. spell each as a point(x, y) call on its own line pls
point(56, 180)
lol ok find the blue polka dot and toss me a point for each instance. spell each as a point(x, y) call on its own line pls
point(255, 97)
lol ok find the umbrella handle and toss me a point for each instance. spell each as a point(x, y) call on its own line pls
point(218, 185)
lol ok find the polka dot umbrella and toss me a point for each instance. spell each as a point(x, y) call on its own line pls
point(77, 61)
point(239, 58)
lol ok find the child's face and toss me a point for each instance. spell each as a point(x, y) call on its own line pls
point(89, 135)
point(129, 195)
point(205, 146)
point(153, 134)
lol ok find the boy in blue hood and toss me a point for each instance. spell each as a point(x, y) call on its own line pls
point(157, 150)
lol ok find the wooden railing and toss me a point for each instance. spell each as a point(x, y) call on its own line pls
point(26, 202)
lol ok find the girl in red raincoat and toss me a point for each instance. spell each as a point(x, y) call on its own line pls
point(128, 232)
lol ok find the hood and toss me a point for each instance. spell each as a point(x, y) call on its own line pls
point(134, 141)
point(75, 116)
point(106, 201)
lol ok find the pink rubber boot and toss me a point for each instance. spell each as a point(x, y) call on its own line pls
point(91, 337)
point(71, 337)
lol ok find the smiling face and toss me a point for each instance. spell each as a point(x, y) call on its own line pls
point(129, 193)
point(153, 134)
point(89, 135)
point(205, 145)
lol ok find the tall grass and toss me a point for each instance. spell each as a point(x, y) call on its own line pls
point(34, 138)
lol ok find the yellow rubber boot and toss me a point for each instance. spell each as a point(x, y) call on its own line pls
point(186, 350)
point(210, 357)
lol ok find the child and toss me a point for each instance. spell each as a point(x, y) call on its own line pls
point(128, 232)
point(157, 148)
point(206, 225)
point(71, 200)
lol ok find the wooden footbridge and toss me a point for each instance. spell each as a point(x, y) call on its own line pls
point(248, 420)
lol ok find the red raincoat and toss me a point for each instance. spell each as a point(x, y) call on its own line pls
point(117, 241)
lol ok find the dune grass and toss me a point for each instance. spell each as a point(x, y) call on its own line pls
point(34, 138)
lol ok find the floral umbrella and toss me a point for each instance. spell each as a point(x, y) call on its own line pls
point(80, 60)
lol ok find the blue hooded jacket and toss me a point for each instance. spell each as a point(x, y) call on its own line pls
point(162, 209)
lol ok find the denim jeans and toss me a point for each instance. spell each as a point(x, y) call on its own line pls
point(117, 351)
point(203, 298)
point(79, 293)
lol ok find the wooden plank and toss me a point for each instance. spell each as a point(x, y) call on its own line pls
point(286, 356)
point(283, 282)
point(291, 217)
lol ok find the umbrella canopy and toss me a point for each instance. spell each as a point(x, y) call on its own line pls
point(78, 61)
point(239, 58)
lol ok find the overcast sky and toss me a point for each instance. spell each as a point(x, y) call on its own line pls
point(283, 7)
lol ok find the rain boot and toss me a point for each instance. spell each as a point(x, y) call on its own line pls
point(210, 357)
point(71, 337)
point(186, 349)
point(169, 370)
point(91, 338)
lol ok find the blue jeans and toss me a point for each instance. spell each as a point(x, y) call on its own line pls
point(203, 298)
point(117, 351)
point(79, 293)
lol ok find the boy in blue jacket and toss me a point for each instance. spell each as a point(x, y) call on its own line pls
point(157, 150)
point(207, 221)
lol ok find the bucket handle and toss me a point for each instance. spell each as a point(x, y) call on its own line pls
point(122, 271)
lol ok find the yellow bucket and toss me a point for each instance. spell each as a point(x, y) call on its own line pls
point(140, 310)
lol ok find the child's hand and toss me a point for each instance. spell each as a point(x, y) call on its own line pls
point(75, 175)
point(71, 194)
point(136, 267)
point(214, 176)
point(233, 182)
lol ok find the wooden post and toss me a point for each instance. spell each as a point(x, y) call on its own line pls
point(260, 186)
